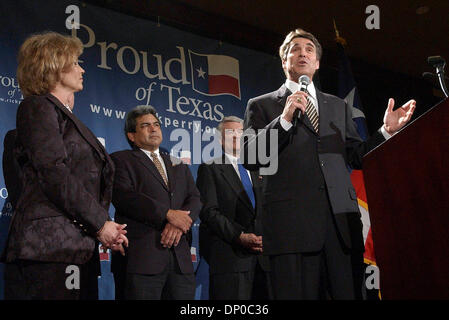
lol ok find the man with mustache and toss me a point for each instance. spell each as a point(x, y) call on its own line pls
point(158, 200)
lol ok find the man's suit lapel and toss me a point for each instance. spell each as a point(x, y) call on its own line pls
point(229, 174)
point(256, 179)
point(148, 163)
point(308, 124)
point(281, 96)
point(324, 110)
point(169, 168)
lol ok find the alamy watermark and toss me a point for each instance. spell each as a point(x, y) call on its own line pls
point(261, 147)
point(373, 20)
point(73, 20)
point(72, 282)
point(372, 280)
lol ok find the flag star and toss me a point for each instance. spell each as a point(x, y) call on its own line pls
point(201, 73)
point(350, 97)
point(356, 112)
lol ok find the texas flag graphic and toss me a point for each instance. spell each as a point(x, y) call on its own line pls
point(214, 74)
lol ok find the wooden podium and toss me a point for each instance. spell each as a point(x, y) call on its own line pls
point(407, 186)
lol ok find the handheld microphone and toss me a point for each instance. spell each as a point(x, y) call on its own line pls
point(303, 82)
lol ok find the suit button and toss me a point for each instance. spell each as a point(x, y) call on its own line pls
point(322, 163)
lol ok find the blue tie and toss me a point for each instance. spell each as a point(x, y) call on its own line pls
point(247, 184)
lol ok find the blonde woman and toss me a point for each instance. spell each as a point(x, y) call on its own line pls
point(67, 177)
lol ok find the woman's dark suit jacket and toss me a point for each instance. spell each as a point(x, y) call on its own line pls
point(67, 185)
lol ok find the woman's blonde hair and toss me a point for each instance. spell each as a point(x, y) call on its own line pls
point(42, 57)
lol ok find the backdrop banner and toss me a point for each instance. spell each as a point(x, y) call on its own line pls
point(192, 81)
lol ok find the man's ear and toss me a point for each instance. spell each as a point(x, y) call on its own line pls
point(130, 136)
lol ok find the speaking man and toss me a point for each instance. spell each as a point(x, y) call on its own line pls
point(311, 222)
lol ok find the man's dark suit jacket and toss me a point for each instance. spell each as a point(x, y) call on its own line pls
point(227, 212)
point(141, 200)
point(309, 164)
point(67, 185)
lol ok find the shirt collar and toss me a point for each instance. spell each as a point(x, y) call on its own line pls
point(234, 160)
point(148, 153)
point(68, 108)
point(294, 86)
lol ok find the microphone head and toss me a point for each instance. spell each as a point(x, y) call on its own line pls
point(435, 61)
point(429, 75)
point(304, 80)
point(430, 78)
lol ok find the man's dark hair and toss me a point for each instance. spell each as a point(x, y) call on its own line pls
point(299, 33)
point(131, 119)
